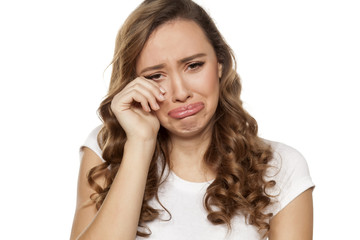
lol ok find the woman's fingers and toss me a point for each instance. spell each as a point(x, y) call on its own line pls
point(139, 98)
point(125, 100)
point(151, 91)
point(152, 100)
point(151, 86)
point(142, 91)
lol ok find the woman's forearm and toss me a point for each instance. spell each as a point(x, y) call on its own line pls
point(119, 214)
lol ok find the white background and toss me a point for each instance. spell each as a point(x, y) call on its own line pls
point(298, 60)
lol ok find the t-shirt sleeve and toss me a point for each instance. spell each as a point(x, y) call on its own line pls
point(291, 173)
point(92, 143)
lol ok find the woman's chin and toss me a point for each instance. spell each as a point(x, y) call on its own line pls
point(189, 128)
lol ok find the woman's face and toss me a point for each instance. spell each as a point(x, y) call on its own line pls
point(179, 57)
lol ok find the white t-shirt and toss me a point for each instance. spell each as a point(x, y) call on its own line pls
point(184, 199)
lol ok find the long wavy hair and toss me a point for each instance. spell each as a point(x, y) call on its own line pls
point(237, 155)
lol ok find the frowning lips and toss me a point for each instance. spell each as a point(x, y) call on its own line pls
point(187, 110)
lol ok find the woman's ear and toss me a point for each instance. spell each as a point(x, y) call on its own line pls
point(220, 70)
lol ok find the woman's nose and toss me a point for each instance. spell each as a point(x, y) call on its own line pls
point(179, 89)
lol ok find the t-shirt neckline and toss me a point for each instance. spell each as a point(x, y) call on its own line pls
point(187, 185)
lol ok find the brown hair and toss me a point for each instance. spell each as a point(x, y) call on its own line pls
point(239, 157)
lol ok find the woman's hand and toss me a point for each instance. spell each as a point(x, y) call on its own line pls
point(134, 108)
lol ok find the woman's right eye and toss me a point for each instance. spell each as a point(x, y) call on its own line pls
point(154, 77)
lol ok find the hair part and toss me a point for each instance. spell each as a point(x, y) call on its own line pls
point(238, 156)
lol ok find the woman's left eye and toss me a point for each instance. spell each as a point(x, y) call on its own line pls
point(194, 66)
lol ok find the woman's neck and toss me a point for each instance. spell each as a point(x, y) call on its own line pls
point(187, 157)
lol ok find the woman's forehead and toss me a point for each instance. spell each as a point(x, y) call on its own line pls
point(173, 41)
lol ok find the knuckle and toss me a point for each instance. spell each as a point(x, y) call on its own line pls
point(136, 85)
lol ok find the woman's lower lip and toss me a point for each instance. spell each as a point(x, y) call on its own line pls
point(186, 111)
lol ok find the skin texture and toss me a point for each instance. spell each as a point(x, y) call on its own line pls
point(140, 108)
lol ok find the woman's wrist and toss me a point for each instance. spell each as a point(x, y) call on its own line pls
point(141, 148)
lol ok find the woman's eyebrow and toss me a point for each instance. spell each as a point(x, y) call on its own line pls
point(183, 60)
point(155, 67)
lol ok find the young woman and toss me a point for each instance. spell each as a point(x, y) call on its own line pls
point(177, 156)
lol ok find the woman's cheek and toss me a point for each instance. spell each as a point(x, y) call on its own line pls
point(206, 81)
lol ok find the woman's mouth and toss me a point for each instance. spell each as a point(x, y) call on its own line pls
point(186, 111)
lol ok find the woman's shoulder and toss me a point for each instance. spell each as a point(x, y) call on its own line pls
point(289, 169)
point(285, 155)
point(281, 147)
point(91, 141)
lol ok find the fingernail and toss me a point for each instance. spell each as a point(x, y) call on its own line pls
point(157, 106)
point(161, 97)
point(162, 90)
